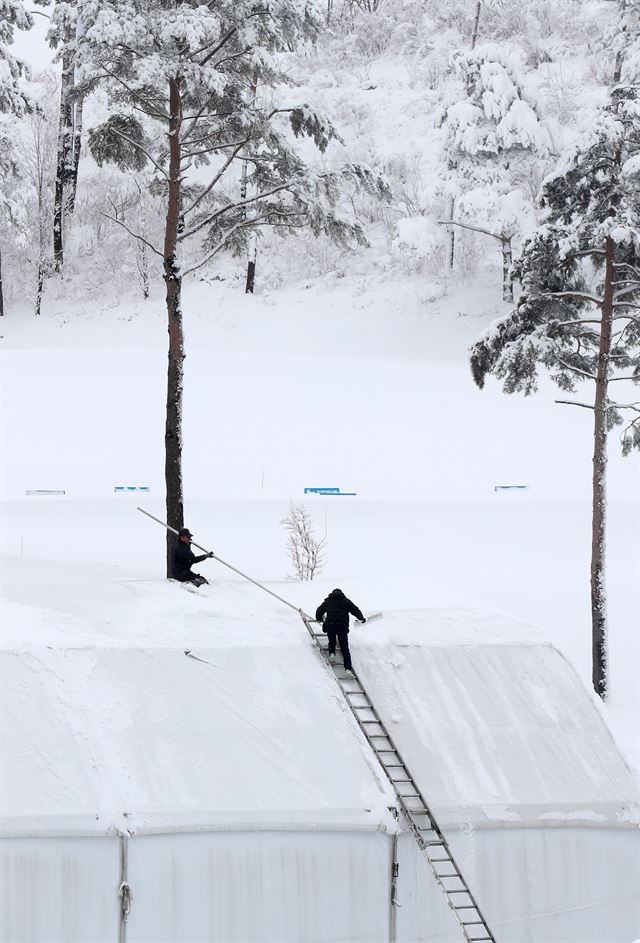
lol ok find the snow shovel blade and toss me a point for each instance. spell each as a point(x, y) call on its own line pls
point(374, 616)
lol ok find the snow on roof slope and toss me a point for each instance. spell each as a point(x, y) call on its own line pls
point(104, 714)
point(494, 732)
point(104, 727)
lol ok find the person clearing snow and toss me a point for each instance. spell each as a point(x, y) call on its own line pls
point(183, 558)
point(334, 614)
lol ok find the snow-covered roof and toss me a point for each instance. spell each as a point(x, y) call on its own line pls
point(152, 739)
point(495, 732)
point(107, 723)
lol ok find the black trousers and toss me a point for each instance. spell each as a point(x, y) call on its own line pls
point(342, 635)
point(189, 577)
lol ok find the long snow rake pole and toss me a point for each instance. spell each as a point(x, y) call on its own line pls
point(231, 567)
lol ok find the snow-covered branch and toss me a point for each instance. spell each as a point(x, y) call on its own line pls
point(135, 235)
point(234, 206)
point(570, 402)
point(580, 295)
point(215, 179)
point(139, 147)
point(485, 232)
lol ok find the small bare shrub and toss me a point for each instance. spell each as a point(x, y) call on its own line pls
point(305, 551)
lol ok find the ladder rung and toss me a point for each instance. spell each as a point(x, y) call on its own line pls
point(424, 827)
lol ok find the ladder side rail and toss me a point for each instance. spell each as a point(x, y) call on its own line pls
point(409, 813)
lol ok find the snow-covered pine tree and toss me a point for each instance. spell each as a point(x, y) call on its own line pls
point(64, 31)
point(14, 99)
point(178, 73)
point(578, 314)
point(493, 136)
point(13, 95)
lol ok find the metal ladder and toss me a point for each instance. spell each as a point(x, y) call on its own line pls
point(425, 829)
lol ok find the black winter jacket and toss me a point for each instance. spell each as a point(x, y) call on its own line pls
point(335, 611)
point(183, 558)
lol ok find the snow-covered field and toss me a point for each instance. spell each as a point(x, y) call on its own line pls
point(107, 715)
point(305, 388)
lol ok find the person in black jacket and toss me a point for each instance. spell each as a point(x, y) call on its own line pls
point(334, 614)
point(183, 558)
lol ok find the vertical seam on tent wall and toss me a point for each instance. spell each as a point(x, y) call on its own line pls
point(393, 880)
point(124, 891)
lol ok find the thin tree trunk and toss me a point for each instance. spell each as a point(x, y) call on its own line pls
point(251, 262)
point(173, 280)
point(42, 236)
point(474, 35)
point(1, 292)
point(598, 534)
point(72, 175)
point(252, 254)
point(507, 260)
point(451, 252)
point(39, 287)
point(65, 146)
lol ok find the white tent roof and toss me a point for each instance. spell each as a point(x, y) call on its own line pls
point(106, 722)
point(152, 739)
point(495, 733)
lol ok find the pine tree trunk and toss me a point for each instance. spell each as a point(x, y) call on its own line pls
point(65, 146)
point(173, 280)
point(507, 261)
point(598, 534)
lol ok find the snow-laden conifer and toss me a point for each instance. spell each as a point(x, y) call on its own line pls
point(13, 94)
point(578, 314)
point(493, 136)
point(180, 77)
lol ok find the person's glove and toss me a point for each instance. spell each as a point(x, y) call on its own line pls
point(211, 554)
point(362, 621)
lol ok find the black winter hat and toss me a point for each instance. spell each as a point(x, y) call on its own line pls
point(184, 532)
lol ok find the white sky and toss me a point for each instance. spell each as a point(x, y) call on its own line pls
point(32, 46)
